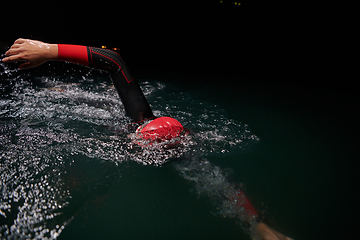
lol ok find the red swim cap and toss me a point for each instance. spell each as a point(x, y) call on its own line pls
point(162, 128)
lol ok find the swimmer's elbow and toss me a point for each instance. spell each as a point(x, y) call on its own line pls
point(110, 61)
point(104, 59)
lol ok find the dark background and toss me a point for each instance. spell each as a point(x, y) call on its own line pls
point(266, 41)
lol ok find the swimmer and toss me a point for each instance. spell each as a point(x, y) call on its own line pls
point(34, 53)
point(149, 128)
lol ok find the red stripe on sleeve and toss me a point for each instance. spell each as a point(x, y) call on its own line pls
point(73, 53)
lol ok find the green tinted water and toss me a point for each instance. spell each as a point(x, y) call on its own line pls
point(68, 169)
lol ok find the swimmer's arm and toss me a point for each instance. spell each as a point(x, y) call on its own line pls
point(32, 52)
point(35, 53)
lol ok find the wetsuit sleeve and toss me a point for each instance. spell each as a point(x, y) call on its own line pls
point(133, 99)
point(73, 53)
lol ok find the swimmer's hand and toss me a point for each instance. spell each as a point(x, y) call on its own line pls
point(32, 52)
point(264, 232)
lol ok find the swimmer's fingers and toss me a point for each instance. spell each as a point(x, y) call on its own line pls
point(15, 48)
point(13, 58)
point(15, 45)
point(19, 57)
point(13, 51)
point(14, 54)
point(19, 41)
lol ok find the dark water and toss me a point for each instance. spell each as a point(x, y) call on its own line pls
point(70, 171)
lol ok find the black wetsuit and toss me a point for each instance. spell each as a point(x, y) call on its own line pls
point(135, 103)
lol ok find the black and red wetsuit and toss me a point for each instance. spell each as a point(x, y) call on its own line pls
point(133, 99)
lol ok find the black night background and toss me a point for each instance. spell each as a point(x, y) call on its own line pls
point(263, 44)
point(265, 41)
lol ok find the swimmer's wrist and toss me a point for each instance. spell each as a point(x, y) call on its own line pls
point(52, 54)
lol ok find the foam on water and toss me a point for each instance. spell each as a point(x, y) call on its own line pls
point(47, 120)
point(212, 181)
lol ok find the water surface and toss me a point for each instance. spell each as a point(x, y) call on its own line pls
point(70, 171)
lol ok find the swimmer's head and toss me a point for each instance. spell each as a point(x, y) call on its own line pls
point(160, 129)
